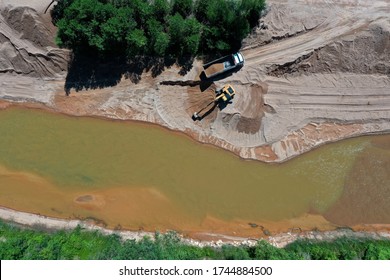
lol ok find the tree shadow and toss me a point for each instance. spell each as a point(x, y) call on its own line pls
point(91, 71)
point(87, 72)
point(185, 64)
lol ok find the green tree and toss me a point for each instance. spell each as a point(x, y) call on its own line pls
point(115, 29)
point(142, 12)
point(265, 251)
point(158, 39)
point(192, 33)
point(183, 7)
point(58, 10)
point(377, 251)
point(235, 253)
point(161, 9)
point(81, 25)
point(200, 9)
point(252, 10)
point(136, 42)
point(184, 34)
point(161, 44)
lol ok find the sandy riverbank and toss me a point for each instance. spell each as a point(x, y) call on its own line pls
point(313, 74)
point(208, 239)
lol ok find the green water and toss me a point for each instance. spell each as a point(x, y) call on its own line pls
point(88, 154)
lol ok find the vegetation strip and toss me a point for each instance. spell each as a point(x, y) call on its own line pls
point(17, 243)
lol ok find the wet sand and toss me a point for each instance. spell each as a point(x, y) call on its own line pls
point(197, 239)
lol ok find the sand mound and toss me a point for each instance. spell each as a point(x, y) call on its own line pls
point(30, 26)
point(283, 20)
point(365, 52)
point(244, 115)
point(27, 44)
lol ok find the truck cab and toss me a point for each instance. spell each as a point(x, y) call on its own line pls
point(238, 58)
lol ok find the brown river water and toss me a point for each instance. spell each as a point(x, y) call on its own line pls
point(138, 176)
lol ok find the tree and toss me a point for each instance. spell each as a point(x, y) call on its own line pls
point(142, 11)
point(192, 33)
point(81, 25)
point(183, 7)
point(58, 10)
point(252, 10)
point(136, 42)
point(234, 253)
point(158, 39)
point(115, 29)
point(185, 35)
point(161, 9)
point(200, 10)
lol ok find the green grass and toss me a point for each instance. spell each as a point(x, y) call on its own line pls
point(17, 243)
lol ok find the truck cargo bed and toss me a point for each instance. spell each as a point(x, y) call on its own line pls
point(214, 69)
point(223, 64)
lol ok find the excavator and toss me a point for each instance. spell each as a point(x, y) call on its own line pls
point(222, 98)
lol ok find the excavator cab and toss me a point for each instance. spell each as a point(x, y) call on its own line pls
point(225, 94)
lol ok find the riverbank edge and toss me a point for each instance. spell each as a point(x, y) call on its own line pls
point(191, 135)
point(281, 240)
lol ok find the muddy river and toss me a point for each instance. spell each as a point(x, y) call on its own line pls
point(136, 176)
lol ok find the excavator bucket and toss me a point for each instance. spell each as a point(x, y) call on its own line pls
point(195, 116)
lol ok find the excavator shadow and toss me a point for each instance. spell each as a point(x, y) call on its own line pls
point(200, 116)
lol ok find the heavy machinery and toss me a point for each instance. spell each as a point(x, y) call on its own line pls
point(223, 64)
point(225, 94)
point(222, 98)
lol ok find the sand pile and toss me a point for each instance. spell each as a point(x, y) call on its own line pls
point(366, 52)
point(27, 42)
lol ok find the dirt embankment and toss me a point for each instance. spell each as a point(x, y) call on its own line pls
point(316, 71)
point(200, 239)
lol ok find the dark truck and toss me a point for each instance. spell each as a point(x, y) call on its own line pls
point(223, 64)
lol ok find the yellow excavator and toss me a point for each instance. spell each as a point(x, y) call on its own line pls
point(222, 98)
